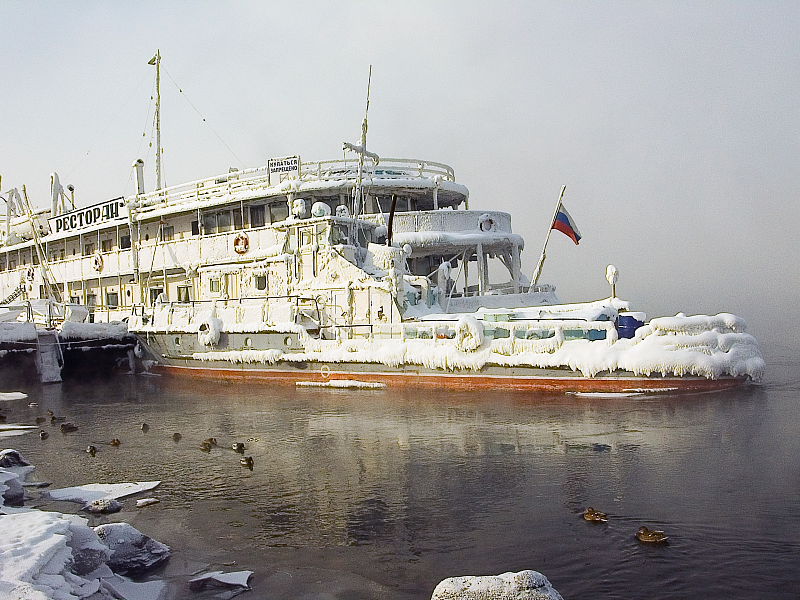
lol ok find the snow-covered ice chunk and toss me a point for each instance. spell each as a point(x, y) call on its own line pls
point(11, 492)
point(350, 384)
point(93, 331)
point(101, 491)
point(122, 587)
point(7, 396)
point(524, 585)
point(146, 502)
point(218, 579)
point(132, 552)
point(104, 506)
point(13, 429)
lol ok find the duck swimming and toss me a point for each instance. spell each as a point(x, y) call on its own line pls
point(43, 435)
point(595, 516)
point(115, 442)
point(145, 427)
point(650, 536)
point(238, 447)
point(91, 450)
point(40, 420)
point(205, 447)
point(247, 461)
point(176, 437)
point(68, 427)
point(210, 441)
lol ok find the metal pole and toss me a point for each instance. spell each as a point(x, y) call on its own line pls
point(538, 271)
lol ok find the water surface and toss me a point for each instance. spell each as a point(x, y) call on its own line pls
point(382, 494)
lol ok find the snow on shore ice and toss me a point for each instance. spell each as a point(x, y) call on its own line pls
point(8, 396)
point(54, 556)
point(524, 585)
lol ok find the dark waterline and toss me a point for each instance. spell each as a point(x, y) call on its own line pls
point(378, 494)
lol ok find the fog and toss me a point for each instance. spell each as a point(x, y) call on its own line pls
point(675, 126)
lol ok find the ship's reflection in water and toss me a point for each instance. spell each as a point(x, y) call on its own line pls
point(406, 488)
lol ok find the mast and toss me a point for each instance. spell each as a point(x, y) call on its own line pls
point(539, 266)
point(156, 61)
point(359, 183)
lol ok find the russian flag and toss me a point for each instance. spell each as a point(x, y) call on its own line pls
point(566, 224)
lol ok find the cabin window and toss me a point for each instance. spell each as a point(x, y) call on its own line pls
point(184, 293)
point(61, 254)
point(91, 300)
point(112, 299)
point(106, 245)
point(209, 223)
point(257, 216)
point(88, 249)
point(278, 212)
point(224, 221)
point(155, 293)
point(124, 241)
point(195, 227)
point(237, 219)
point(167, 233)
point(12, 264)
point(35, 258)
point(261, 282)
point(214, 285)
point(74, 299)
point(306, 236)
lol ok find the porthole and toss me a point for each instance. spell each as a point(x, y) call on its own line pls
point(287, 341)
point(248, 342)
point(177, 341)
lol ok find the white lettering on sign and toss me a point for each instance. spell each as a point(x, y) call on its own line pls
point(288, 165)
point(84, 217)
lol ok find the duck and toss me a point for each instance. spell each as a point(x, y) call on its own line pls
point(50, 413)
point(91, 450)
point(238, 447)
point(40, 420)
point(145, 427)
point(176, 437)
point(651, 536)
point(68, 427)
point(115, 442)
point(247, 461)
point(54, 419)
point(595, 516)
point(43, 435)
point(205, 447)
point(210, 441)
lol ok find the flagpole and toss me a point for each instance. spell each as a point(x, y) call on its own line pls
point(538, 271)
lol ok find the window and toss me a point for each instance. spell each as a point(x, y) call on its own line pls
point(224, 221)
point(184, 293)
point(237, 218)
point(74, 299)
point(167, 233)
point(278, 211)
point(155, 293)
point(195, 227)
point(213, 285)
point(88, 249)
point(209, 223)
point(91, 300)
point(12, 264)
point(112, 299)
point(61, 254)
point(261, 282)
point(106, 245)
point(257, 216)
point(35, 258)
point(124, 242)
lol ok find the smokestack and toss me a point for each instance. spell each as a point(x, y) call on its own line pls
point(139, 166)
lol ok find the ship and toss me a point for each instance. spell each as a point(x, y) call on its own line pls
point(361, 271)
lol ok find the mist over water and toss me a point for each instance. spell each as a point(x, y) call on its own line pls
point(384, 494)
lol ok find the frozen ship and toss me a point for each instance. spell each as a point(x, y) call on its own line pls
point(362, 270)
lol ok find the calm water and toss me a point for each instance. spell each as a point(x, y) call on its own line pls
point(375, 494)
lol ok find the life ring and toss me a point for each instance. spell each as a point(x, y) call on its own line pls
point(241, 243)
point(485, 222)
point(325, 371)
point(97, 262)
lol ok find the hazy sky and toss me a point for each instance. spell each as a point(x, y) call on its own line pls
point(674, 125)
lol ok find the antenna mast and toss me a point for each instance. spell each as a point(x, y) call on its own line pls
point(156, 60)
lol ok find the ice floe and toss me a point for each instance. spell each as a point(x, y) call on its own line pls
point(7, 396)
point(524, 585)
point(101, 491)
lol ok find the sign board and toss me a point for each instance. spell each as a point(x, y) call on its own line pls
point(283, 167)
point(91, 215)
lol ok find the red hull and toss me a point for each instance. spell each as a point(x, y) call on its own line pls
point(465, 381)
